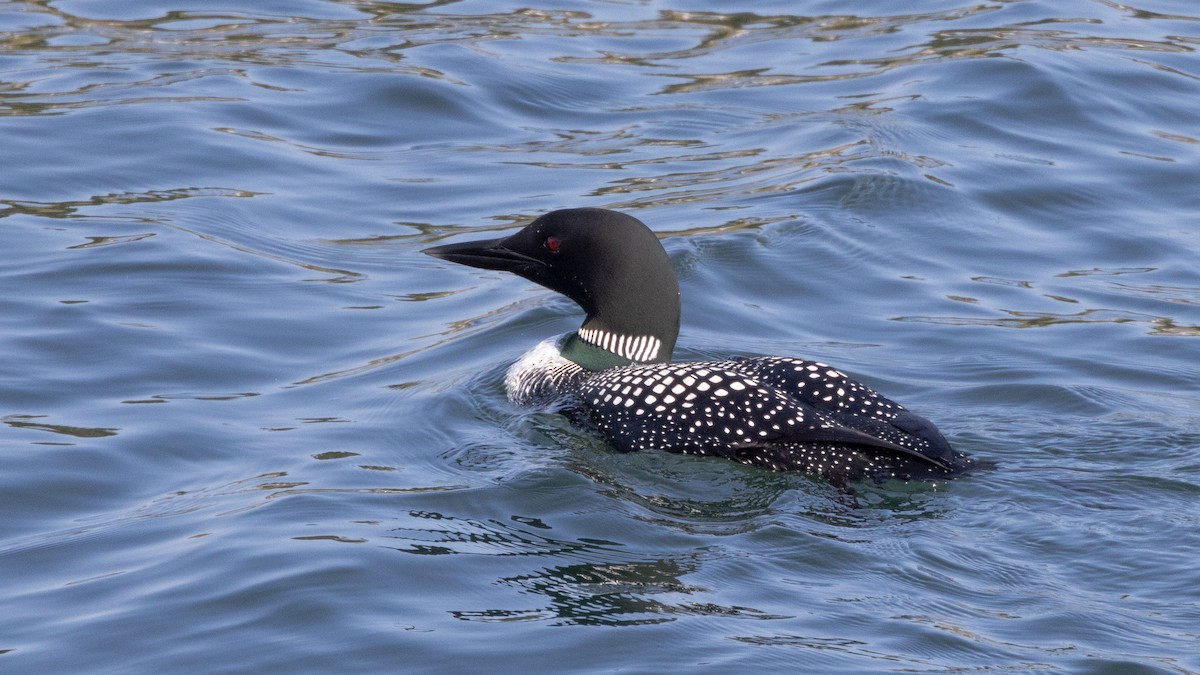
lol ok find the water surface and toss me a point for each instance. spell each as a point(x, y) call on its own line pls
point(248, 426)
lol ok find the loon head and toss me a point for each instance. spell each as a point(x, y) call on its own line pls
point(609, 263)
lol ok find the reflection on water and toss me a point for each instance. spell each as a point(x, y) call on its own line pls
point(1084, 283)
point(28, 422)
point(70, 209)
point(606, 594)
point(455, 535)
point(1160, 325)
point(620, 592)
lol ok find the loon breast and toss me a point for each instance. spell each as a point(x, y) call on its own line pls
point(543, 378)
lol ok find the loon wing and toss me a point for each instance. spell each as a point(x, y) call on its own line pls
point(851, 436)
point(848, 402)
point(706, 408)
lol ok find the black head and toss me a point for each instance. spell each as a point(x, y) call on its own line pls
point(609, 263)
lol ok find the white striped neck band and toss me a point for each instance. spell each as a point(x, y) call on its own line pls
point(632, 347)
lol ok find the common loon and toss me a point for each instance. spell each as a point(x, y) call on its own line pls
point(615, 375)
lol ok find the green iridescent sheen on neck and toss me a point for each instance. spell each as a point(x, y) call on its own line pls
point(589, 356)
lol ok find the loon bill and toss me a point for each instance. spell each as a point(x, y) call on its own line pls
point(615, 375)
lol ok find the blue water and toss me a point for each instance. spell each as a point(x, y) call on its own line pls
point(249, 427)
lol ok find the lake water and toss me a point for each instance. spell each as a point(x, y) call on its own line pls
point(248, 426)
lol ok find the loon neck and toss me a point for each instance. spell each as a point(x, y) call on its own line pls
point(632, 317)
point(596, 347)
point(589, 356)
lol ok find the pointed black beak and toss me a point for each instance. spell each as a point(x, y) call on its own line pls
point(488, 254)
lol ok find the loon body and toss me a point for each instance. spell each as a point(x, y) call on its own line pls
point(615, 374)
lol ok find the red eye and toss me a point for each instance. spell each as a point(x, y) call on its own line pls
point(553, 244)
